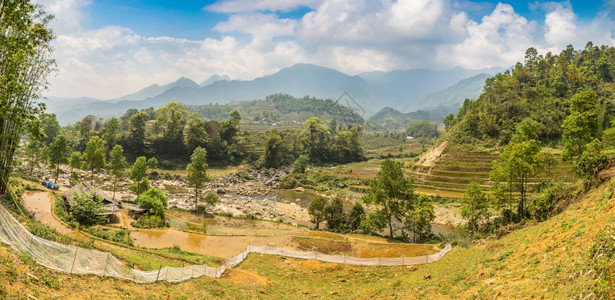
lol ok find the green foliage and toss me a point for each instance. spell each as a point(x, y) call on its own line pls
point(550, 193)
point(33, 153)
point(117, 164)
point(112, 129)
point(211, 199)
point(138, 175)
point(50, 127)
point(136, 139)
point(76, 160)
point(356, 216)
point(172, 119)
point(197, 175)
point(317, 210)
point(592, 161)
point(152, 163)
point(275, 150)
point(301, 163)
point(94, 155)
point(374, 222)
point(154, 201)
point(420, 218)
point(196, 135)
point(420, 129)
point(346, 147)
point(87, 209)
point(316, 138)
point(316, 107)
point(334, 214)
point(392, 192)
point(540, 88)
point(519, 161)
point(601, 258)
point(24, 64)
point(57, 153)
point(475, 208)
point(581, 126)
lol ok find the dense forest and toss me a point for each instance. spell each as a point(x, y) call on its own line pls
point(280, 108)
point(171, 134)
point(541, 88)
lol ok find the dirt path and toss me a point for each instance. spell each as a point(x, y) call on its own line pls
point(429, 159)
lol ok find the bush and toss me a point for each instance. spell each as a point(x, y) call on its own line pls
point(87, 209)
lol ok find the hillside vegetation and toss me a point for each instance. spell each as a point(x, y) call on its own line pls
point(541, 88)
point(553, 259)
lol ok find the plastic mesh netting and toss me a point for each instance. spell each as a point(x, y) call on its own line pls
point(78, 260)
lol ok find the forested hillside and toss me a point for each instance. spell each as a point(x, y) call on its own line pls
point(281, 108)
point(542, 89)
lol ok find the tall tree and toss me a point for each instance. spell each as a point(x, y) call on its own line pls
point(94, 156)
point(317, 210)
point(519, 161)
point(334, 214)
point(58, 153)
point(196, 135)
point(356, 216)
point(172, 118)
point(420, 218)
point(474, 207)
point(197, 175)
point(392, 191)
point(25, 62)
point(137, 132)
point(316, 139)
point(50, 127)
point(76, 160)
point(33, 150)
point(117, 165)
point(275, 150)
point(112, 129)
point(581, 126)
point(591, 162)
point(138, 175)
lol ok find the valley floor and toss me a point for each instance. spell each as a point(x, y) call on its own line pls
point(544, 260)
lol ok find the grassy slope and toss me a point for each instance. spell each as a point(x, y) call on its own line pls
point(540, 260)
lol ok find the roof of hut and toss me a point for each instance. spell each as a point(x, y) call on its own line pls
point(112, 206)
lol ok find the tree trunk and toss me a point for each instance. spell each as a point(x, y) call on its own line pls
point(390, 227)
point(196, 199)
point(57, 173)
point(114, 182)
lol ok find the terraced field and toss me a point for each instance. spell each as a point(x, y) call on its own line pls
point(455, 168)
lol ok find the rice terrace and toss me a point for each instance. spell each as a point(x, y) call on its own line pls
point(330, 149)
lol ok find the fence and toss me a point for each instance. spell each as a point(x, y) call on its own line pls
point(78, 260)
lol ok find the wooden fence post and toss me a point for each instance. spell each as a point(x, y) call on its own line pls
point(107, 263)
point(158, 276)
point(74, 259)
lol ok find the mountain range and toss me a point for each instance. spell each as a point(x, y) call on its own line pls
point(403, 90)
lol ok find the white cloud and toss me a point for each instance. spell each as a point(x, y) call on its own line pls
point(349, 35)
point(560, 25)
point(68, 16)
point(500, 39)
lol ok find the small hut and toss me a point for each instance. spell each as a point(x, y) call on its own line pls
point(111, 206)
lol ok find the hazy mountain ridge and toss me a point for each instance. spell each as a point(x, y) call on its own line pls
point(371, 91)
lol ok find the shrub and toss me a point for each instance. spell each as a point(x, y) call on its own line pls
point(87, 209)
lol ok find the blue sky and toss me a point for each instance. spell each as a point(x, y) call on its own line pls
point(109, 48)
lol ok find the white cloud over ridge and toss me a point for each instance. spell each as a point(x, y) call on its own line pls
point(352, 36)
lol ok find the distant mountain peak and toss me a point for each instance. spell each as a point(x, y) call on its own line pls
point(214, 78)
point(183, 82)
